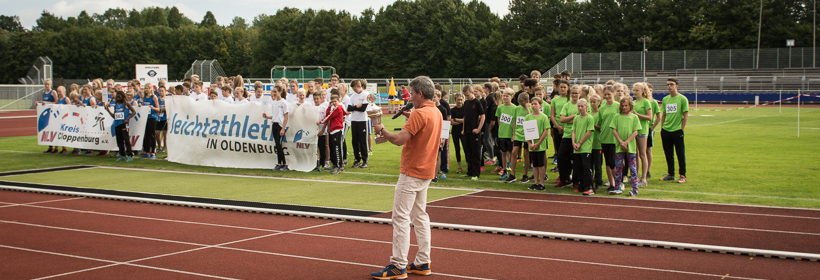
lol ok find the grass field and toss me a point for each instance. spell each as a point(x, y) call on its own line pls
point(750, 156)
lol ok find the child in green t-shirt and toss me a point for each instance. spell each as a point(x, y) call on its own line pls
point(567, 115)
point(505, 115)
point(538, 148)
point(597, 160)
point(582, 129)
point(643, 109)
point(625, 128)
point(521, 112)
point(606, 113)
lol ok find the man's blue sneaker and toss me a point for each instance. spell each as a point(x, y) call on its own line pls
point(390, 272)
point(423, 269)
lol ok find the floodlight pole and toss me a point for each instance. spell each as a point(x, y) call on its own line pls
point(644, 39)
point(759, 28)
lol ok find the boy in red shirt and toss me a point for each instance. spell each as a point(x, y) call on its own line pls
point(335, 117)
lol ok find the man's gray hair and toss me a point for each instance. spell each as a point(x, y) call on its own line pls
point(424, 85)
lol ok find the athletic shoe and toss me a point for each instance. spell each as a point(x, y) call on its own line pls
point(643, 183)
point(336, 171)
point(554, 170)
point(129, 159)
point(284, 168)
point(682, 179)
point(533, 187)
point(390, 272)
point(317, 169)
point(435, 180)
point(555, 161)
point(525, 179)
point(504, 176)
point(620, 189)
point(633, 192)
point(363, 165)
point(459, 170)
point(443, 176)
point(327, 165)
point(48, 151)
point(152, 156)
point(589, 192)
point(121, 158)
point(423, 269)
point(510, 179)
point(541, 187)
point(498, 170)
point(474, 178)
point(88, 152)
point(276, 168)
point(489, 162)
point(648, 175)
point(144, 156)
point(668, 178)
point(103, 153)
point(357, 163)
point(610, 190)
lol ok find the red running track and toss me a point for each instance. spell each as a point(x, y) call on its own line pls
point(82, 238)
point(18, 123)
point(784, 229)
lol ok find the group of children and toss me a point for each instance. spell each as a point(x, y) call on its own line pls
point(592, 127)
point(338, 112)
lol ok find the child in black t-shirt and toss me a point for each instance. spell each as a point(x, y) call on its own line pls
point(457, 120)
point(471, 131)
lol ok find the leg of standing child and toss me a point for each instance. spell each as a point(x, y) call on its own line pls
point(618, 171)
point(633, 168)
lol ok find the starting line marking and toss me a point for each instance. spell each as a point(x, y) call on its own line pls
point(507, 231)
point(221, 246)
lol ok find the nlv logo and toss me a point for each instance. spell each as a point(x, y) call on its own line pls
point(48, 136)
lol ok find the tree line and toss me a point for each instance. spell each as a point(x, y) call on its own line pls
point(439, 38)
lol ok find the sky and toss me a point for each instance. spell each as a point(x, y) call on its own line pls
point(29, 11)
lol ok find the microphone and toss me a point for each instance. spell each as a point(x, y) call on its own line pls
point(403, 109)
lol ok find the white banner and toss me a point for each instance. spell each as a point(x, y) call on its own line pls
point(215, 133)
point(85, 127)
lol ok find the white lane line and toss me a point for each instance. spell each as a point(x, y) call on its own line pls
point(640, 207)
point(200, 247)
point(112, 263)
point(18, 117)
point(38, 202)
point(221, 246)
point(450, 197)
point(736, 195)
point(619, 220)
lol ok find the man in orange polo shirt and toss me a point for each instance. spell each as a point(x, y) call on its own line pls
point(420, 136)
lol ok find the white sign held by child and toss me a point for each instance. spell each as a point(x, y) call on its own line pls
point(445, 129)
point(531, 130)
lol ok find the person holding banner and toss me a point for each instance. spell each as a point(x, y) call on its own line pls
point(537, 145)
point(162, 121)
point(150, 100)
point(279, 117)
point(123, 112)
point(420, 137)
point(49, 97)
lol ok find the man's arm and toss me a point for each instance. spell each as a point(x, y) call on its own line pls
point(685, 118)
point(397, 139)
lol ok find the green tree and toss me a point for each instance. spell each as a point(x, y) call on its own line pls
point(208, 20)
point(116, 19)
point(49, 22)
point(11, 23)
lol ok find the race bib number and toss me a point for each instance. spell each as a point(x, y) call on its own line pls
point(671, 108)
point(519, 121)
point(119, 116)
point(505, 119)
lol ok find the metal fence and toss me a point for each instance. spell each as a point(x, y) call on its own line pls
point(776, 58)
point(19, 97)
point(207, 70)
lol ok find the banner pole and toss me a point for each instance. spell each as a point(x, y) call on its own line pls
point(780, 100)
point(798, 112)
